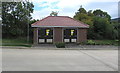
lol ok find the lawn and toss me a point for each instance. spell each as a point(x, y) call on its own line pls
point(16, 42)
point(23, 42)
point(109, 42)
point(102, 42)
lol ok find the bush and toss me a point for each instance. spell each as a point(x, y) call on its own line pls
point(90, 42)
point(83, 43)
point(60, 45)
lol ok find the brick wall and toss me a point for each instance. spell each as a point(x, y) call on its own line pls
point(57, 34)
point(35, 37)
point(81, 35)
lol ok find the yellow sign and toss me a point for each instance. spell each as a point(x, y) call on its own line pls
point(72, 32)
point(47, 31)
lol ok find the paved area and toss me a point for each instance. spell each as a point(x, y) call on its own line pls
point(67, 47)
point(59, 60)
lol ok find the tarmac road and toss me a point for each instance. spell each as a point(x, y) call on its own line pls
point(59, 60)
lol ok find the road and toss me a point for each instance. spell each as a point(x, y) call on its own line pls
point(59, 60)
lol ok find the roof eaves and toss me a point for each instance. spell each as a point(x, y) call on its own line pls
point(59, 26)
point(40, 20)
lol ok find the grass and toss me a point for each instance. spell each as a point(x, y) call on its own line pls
point(106, 42)
point(16, 42)
point(101, 42)
point(23, 42)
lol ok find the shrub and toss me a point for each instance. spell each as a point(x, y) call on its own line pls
point(90, 42)
point(60, 45)
point(83, 43)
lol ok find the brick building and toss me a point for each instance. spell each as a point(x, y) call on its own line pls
point(53, 29)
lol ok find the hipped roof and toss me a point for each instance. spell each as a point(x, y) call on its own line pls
point(59, 21)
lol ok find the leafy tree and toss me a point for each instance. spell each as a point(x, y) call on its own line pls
point(100, 24)
point(33, 21)
point(90, 13)
point(100, 27)
point(31, 29)
point(82, 10)
point(116, 29)
point(53, 13)
point(101, 14)
point(15, 18)
point(83, 16)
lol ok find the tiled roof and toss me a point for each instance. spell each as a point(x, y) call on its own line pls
point(59, 21)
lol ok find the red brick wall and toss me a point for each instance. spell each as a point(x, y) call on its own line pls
point(35, 37)
point(57, 34)
point(81, 35)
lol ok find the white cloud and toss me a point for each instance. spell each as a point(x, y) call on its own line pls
point(42, 13)
point(65, 7)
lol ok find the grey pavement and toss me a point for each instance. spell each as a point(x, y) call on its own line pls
point(99, 47)
point(67, 47)
point(59, 60)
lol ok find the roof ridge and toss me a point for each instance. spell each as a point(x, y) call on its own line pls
point(57, 16)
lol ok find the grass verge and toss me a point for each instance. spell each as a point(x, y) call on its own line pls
point(101, 42)
point(16, 42)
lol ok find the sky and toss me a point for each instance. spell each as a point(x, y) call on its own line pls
point(43, 8)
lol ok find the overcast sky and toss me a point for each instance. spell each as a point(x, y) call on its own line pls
point(43, 8)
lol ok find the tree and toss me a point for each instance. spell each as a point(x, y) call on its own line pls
point(116, 29)
point(53, 13)
point(15, 17)
point(90, 13)
point(101, 26)
point(102, 14)
point(31, 29)
point(99, 22)
point(84, 16)
point(82, 10)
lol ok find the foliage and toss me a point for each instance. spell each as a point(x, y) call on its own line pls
point(53, 13)
point(106, 42)
point(102, 14)
point(90, 42)
point(100, 24)
point(15, 18)
point(82, 10)
point(16, 42)
point(101, 42)
point(60, 45)
point(30, 28)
